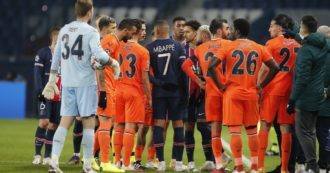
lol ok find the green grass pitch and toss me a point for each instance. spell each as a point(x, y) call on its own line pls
point(17, 149)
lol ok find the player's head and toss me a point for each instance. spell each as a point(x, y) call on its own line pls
point(127, 28)
point(308, 25)
point(54, 34)
point(161, 29)
point(107, 25)
point(141, 29)
point(84, 9)
point(220, 28)
point(190, 30)
point(241, 28)
point(325, 30)
point(280, 24)
point(203, 34)
point(178, 25)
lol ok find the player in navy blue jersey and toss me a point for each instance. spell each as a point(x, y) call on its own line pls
point(166, 57)
point(49, 110)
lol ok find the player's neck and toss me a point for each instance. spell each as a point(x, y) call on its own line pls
point(82, 19)
point(118, 35)
point(134, 39)
point(178, 38)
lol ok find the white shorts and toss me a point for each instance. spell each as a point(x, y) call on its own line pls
point(79, 101)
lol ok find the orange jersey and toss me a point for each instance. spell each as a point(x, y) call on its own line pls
point(243, 59)
point(284, 52)
point(133, 60)
point(110, 44)
point(204, 53)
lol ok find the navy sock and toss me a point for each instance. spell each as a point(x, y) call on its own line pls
point(205, 131)
point(190, 145)
point(159, 142)
point(173, 152)
point(39, 140)
point(77, 136)
point(49, 142)
point(179, 142)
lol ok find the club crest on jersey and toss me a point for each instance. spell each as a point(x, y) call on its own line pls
point(107, 51)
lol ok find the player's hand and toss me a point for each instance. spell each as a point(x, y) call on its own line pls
point(170, 86)
point(200, 83)
point(326, 93)
point(290, 108)
point(51, 88)
point(102, 100)
point(41, 97)
point(96, 65)
point(116, 68)
point(149, 105)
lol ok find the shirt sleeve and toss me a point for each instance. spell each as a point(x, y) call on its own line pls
point(39, 64)
point(96, 48)
point(57, 54)
point(145, 60)
point(266, 56)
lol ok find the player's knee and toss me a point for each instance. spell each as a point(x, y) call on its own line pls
point(43, 123)
point(105, 125)
point(160, 123)
point(251, 130)
point(52, 126)
point(203, 127)
point(189, 126)
point(177, 124)
point(286, 128)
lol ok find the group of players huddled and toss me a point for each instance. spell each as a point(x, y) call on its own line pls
point(203, 75)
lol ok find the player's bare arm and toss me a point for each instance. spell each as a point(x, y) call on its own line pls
point(101, 80)
point(273, 70)
point(214, 74)
point(146, 86)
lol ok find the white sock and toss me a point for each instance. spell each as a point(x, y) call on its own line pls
point(88, 146)
point(58, 143)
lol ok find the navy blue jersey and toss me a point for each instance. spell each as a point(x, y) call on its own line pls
point(42, 63)
point(166, 57)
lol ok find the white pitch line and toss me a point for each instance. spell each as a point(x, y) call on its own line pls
point(20, 162)
point(246, 161)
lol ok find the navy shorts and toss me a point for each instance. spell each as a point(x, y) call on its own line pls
point(196, 109)
point(167, 108)
point(50, 110)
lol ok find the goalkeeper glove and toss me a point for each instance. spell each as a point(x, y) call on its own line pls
point(51, 88)
point(102, 100)
point(290, 108)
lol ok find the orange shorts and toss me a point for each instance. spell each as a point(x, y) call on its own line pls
point(213, 108)
point(110, 110)
point(275, 105)
point(129, 107)
point(239, 112)
point(148, 117)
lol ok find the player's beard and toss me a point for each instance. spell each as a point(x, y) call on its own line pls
point(199, 43)
point(125, 39)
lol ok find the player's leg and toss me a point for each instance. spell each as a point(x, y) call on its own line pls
point(189, 126)
point(268, 109)
point(323, 137)
point(77, 137)
point(40, 134)
point(54, 121)
point(119, 126)
point(159, 107)
point(213, 110)
point(250, 119)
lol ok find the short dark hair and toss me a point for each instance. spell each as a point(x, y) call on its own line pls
point(126, 24)
point(161, 23)
point(82, 7)
point(284, 21)
point(55, 28)
point(178, 18)
point(310, 22)
point(137, 24)
point(194, 24)
point(243, 26)
point(105, 21)
point(216, 24)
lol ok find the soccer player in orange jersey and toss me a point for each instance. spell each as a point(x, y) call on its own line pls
point(106, 111)
point(134, 85)
point(213, 101)
point(276, 94)
point(240, 93)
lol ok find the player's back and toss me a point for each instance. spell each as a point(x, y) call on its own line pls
point(243, 61)
point(74, 40)
point(284, 52)
point(133, 59)
point(166, 57)
point(204, 53)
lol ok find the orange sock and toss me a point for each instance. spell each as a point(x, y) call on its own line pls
point(236, 146)
point(138, 152)
point(118, 142)
point(286, 150)
point(253, 146)
point(217, 147)
point(151, 153)
point(263, 142)
point(104, 140)
point(128, 142)
point(96, 142)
